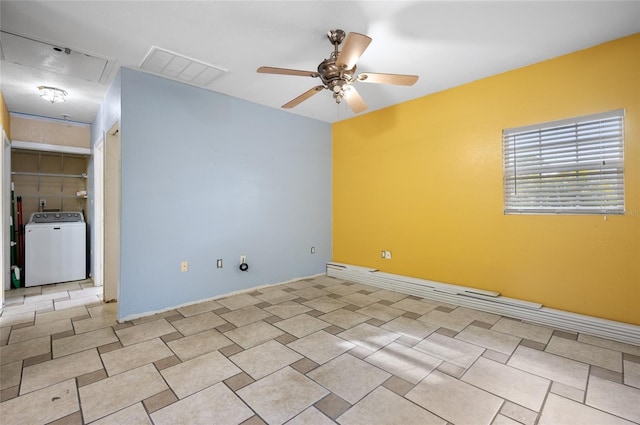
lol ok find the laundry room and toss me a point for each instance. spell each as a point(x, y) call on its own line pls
point(49, 175)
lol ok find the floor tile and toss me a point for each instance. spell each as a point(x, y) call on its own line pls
point(518, 413)
point(414, 306)
point(403, 362)
point(235, 302)
point(381, 312)
point(82, 342)
point(383, 294)
point(238, 381)
point(104, 308)
point(451, 350)
point(444, 396)
point(566, 391)
point(343, 318)
point(58, 287)
point(245, 315)
point(198, 323)
point(265, 359)
point(196, 374)
point(91, 324)
point(302, 325)
point(134, 356)
point(74, 418)
point(90, 378)
point(67, 313)
point(384, 407)
point(304, 365)
point(343, 290)
point(59, 370)
point(213, 405)
point(369, 337)
point(117, 392)
point(358, 299)
point(523, 330)
point(43, 406)
point(632, 374)
point(504, 420)
point(10, 374)
point(349, 377)
point(6, 321)
point(64, 304)
point(398, 386)
point(332, 406)
point(612, 345)
point(286, 310)
point(410, 327)
point(195, 345)
point(310, 416)
point(253, 334)
point(300, 284)
point(586, 353)
point(550, 366)
point(475, 315)
point(309, 293)
point(321, 346)
point(12, 310)
point(324, 304)
point(617, 399)
point(24, 350)
point(559, 410)
point(199, 308)
point(487, 338)
point(275, 295)
point(446, 320)
point(134, 414)
point(144, 331)
point(507, 382)
point(37, 331)
point(281, 395)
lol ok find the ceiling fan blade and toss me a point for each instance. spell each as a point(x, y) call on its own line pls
point(304, 96)
point(398, 79)
point(285, 71)
point(354, 46)
point(355, 101)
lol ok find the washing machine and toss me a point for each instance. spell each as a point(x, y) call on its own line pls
point(55, 248)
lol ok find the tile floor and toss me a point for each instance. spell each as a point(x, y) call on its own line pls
point(316, 351)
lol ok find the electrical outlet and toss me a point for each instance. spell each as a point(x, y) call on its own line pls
point(313, 249)
point(243, 259)
point(184, 266)
point(43, 202)
point(386, 255)
point(219, 263)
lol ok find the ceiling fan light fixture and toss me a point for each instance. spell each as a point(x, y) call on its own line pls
point(52, 94)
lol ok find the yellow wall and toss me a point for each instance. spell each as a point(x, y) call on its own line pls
point(4, 117)
point(424, 180)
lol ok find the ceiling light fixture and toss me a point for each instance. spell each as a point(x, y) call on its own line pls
point(52, 94)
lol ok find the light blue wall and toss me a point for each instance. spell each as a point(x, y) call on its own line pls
point(208, 176)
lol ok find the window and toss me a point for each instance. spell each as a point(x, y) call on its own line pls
point(573, 166)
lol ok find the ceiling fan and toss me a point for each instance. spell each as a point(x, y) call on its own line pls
point(338, 72)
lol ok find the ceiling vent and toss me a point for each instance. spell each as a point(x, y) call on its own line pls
point(177, 67)
point(52, 58)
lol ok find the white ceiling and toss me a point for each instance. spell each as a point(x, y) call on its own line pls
point(446, 43)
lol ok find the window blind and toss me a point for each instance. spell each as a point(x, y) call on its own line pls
point(573, 166)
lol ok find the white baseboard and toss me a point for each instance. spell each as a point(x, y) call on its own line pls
point(491, 302)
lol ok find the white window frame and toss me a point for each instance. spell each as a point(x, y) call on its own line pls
point(572, 166)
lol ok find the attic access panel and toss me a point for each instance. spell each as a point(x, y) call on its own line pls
point(49, 57)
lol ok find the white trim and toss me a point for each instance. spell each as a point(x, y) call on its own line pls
point(46, 147)
point(524, 310)
point(217, 297)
